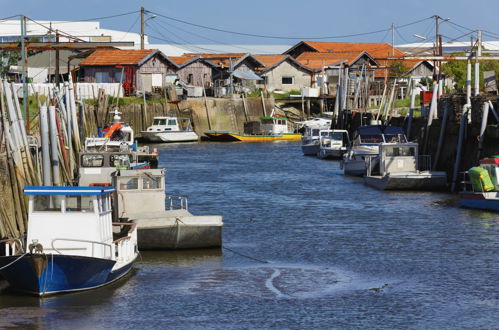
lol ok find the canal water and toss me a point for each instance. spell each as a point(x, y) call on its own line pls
point(306, 247)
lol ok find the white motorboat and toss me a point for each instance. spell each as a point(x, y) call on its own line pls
point(366, 143)
point(333, 143)
point(311, 135)
point(399, 167)
point(71, 244)
point(141, 198)
point(168, 129)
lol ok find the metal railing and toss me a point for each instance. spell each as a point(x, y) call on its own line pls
point(177, 202)
point(124, 248)
point(80, 248)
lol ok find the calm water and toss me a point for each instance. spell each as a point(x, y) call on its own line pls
point(339, 255)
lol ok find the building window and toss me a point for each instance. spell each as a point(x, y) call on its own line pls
point(190, 78)
point(288, 80)
point(102, 77)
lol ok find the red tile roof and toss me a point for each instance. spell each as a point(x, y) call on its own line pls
point(316, 61)
point(221, 60)
point(179, 60)
point(270, 60)
point(107, 57)
point(374, 49)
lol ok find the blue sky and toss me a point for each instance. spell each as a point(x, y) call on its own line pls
point(307, 19)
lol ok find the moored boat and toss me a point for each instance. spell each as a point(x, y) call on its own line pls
point(270, 128)
point(366, 144)
point(399, 167)
point(310, 144)
point(168, 129)
point(333, 144)
point(482, 189)
point(71, 244)
point(141, 198)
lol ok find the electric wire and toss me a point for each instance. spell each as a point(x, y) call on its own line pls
point(103, 17)
point(283, 37)
point(209, 39)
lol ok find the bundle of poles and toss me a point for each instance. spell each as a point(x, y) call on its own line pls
point(42, 151)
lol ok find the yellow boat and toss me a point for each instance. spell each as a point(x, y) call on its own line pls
point(270, 128)
point(226, 136)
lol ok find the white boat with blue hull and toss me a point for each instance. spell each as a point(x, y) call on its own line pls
point(71, 242)
point(311, 135)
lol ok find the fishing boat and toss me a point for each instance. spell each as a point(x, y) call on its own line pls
point(270, 128)
point(72, 243)
point(141, 198)
point(366, 143)
point(481, 191)
point(168, 129)
point(97, 166)
point(311, 135)
point(399, 167)
point(333, 144)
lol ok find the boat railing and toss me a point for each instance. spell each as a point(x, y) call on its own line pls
point(124, 248)
point(11, 246)
point(424, 163)
point(369, 163)
point(466, 182)
point(93, 244)
point(177, 202)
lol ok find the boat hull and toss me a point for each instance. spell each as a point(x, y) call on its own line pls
point(179, 236)
point(412, 181)
point(330, 153)
point(478, 200)
point(310, 149)
point(45, 274)
point(234, 137)
point(170, 136)
point(354, 167)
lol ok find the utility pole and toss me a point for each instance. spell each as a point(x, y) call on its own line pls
point(477, 64)
point(57, 69)
point(393, 39)
point(142, 12)
point(24, 59)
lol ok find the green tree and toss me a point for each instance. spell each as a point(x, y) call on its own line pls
point(457, 70)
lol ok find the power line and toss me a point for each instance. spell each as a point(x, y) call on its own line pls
point(209, 39)
point(282, 37)
point(103, 17)
point(7, 18)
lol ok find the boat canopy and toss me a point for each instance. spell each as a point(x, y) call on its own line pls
point(379, 129)
point(72, 191)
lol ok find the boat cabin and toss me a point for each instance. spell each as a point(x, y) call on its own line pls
point(273, 125)
point(376, 134)
point(71, 220)
point(139, 192)
point(96, 167)
point(334, 138)
point(161, 124)
point(394, 158)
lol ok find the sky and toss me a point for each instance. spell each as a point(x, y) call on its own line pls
point(280, 18)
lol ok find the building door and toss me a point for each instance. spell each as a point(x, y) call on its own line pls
point(146, 82)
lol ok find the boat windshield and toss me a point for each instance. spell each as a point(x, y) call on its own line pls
point(395, 138)
point(337, 136)
point(159, 122)
point(120, 160)
point(92, 160)
point(371, 138)
point(325, 133)
point(400, 151)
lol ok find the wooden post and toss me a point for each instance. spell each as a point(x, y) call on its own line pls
point(206, 104)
